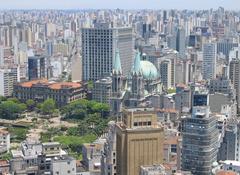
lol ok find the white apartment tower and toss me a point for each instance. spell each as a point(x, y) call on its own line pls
point(8, 78)
point(209, 60)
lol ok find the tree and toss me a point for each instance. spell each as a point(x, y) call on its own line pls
point(15, 100)
point(30, 104)
point(90, 85)
point(2, 98)
point(48, 106)
point(11, 110)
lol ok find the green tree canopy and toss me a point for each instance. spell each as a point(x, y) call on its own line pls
point(82, 108)
point(30, 104)
point(48, 106)
point(11, 110)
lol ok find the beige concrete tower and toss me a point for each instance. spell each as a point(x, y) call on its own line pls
point(139, 141)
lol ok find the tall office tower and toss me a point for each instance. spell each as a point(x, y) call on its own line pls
point(165, 72)
point(8, 77)
point(171, 41)
point(139, 141)
point(225, 47)
point(37, 67)
point(209, 61)
point(49, 48)
point(181, 42)
point(199, 141)
point(183, 98)
point(99, 46)
point(234, 76)
point(229, 146)
point(199, 136)
point(1, 56)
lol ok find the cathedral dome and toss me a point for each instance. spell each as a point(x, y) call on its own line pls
point(149, 71)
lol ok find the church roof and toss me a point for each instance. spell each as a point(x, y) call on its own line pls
point(117, 68)
point(149, 71)
point(137, 66)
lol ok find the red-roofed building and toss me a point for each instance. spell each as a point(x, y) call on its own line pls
point(40, 90)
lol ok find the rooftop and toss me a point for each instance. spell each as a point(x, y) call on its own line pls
point(51, 85)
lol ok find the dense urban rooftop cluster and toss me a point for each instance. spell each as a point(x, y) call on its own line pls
point(119, 92)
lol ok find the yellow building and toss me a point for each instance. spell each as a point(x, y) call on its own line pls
point(139, 141)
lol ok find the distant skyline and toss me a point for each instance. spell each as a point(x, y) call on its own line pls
point(123, 4)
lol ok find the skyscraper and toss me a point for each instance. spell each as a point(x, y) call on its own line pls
point(234, 76)
point(181, 42)
point(199, 138)
point(139, 141)
point(99, 46)
point(165, 72)
point(37, 67)
point(209, 60)
point(1, 56)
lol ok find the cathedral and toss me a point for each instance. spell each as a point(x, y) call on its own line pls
point(137, 89)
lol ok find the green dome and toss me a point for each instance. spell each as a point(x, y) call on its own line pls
point(149, 71)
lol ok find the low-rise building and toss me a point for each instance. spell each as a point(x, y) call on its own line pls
point(4, 140)
point(4, 167)
point(152, 170)
point(40, 90)
point(92, 154)
point(37, 158)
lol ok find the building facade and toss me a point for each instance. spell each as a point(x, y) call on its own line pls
point(139, 141)
point(199, 141)
point(40, 90)
point(99, 46)
point(8, 77)
point(102, 90)
point(37, 67)
point(209, 61)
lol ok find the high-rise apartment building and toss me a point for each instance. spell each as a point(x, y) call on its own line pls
point(209, 60)
point(139, 141)
point(99, 46)
point(1, 56)
point(37, 67)
point(165, 72)
point(8, 77)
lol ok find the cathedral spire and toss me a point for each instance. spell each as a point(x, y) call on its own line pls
point(137, 66)
point(117, 68)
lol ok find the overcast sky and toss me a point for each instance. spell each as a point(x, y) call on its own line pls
point(124, 4)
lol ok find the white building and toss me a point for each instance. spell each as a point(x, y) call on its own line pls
point(99, 46)
point(64, 165)
point(209, 60)
point(152, 170)
point(8, 77)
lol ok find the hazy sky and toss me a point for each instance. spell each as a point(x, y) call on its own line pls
point(125, 4)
